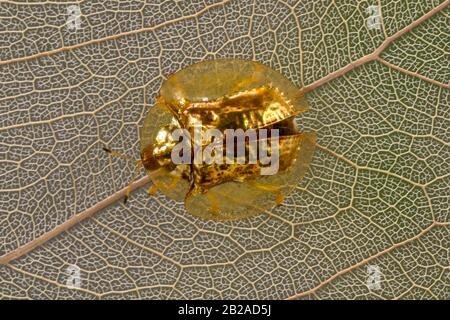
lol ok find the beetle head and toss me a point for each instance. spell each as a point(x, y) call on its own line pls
point(158, 154)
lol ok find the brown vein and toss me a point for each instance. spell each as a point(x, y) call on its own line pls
point(376, 54)
point(362, 262)
point(413, 74)
point(115, 36)
point(22, 250)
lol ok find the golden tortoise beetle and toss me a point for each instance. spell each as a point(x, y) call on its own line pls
point(221, 94)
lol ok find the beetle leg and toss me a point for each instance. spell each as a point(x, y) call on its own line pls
point(248, 81)
point(162, 185)
point(269, 188)
point(174, 182)
point(215, 208)
point(280, 198)
point(152, 190)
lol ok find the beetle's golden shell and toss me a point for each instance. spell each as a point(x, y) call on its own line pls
point(211, 81)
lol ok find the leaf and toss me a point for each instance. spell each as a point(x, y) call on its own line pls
point(376, 193)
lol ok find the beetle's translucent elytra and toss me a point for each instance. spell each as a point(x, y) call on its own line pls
point(220, 95)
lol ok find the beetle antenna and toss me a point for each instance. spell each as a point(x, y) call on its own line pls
point(138, 164)
point(119, 155)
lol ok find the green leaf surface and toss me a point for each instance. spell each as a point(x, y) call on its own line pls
point(377, 192)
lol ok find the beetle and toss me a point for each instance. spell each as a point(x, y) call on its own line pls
point(218, 96)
